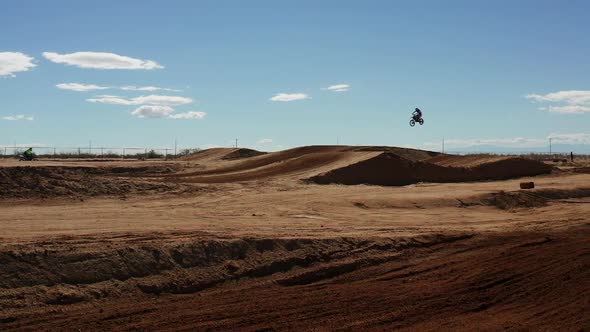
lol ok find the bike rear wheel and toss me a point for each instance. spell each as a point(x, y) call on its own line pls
point(412, 123)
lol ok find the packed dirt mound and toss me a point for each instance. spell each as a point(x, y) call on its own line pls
point(261, 160)
point(47, 182)
point(289, 161)
point(214, 154)
point(536, 198)
point(583, 170)
point(408, 153)
point(464, 161)
point(208, 154)
point(293, 167)
point(242, 153)
point(390, 169)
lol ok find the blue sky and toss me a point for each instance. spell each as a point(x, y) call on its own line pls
point(508, 73)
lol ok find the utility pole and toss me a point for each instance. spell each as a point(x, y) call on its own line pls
point(89, 146)
point(236, 143)
point(443, 145)
point(175, 142)
point(550, 152)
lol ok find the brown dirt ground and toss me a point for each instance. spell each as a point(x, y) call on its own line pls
point(247, 243)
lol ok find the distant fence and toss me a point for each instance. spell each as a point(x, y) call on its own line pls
point(94, 152)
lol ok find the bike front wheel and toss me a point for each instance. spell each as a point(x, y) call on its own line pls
point(421, 121)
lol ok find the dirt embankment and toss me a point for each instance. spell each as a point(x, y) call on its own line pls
point(390, 169)
point(513, 281)
point(222, 154)
point(242, 153)
point(56, 274)
point(250, 164)
point(51, 181)
point(306, 161)
point(514, 200)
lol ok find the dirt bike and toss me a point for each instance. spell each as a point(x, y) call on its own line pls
point(414, 120)
point(22, 157)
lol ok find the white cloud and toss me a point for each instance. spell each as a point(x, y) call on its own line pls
point(157, 111)
point(80, 87)
point(147, 111)
point(520, 142)
point(110, 99)
point(567, 109)
point(574, 138)
point(146, 88)
point(516, 142)
point(18, 117)
point(188, 115)
point(14, 62)
point(570, 97)
point(101, 60)
point(92, 87)
point(576, 101)
point(142, 100)
point(338, 88)
point(289, 97)
point(265, 141)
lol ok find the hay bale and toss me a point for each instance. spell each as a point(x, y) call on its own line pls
point(527, 185)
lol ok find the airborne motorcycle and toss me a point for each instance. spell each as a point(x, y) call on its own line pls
point(415, 119)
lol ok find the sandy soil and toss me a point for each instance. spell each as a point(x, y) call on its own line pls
point(229, 239)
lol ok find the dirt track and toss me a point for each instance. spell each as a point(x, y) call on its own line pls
point(159, 245)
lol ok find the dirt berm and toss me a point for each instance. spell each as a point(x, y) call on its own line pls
point(54, 181)
point(389, 169)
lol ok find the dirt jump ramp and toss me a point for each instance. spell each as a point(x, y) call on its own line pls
point(306, 161)
point(389, 169)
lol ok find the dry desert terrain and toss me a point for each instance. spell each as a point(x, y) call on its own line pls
point(312, 238)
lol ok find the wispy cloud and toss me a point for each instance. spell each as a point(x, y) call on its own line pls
point(147, 88)
point(567, 109)
point(141, 100)
point(188, 115)
point(14, 62)
point(80, 87)
point(572, 138)
point(265, 141)
point(338, 88)
point(148, 111)
point(503, 142)
point(285, 97)
point(18, 117)
point(156, 112)
point(101, 60)
point(516, 142)
point(152, 106)
point(570, 97)
point(576, 101)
